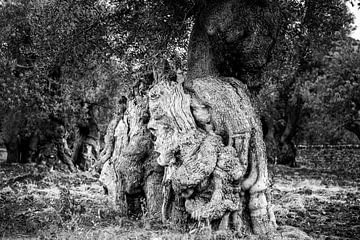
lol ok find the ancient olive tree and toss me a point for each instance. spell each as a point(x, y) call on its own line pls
point(210, 139)
point(208, 135)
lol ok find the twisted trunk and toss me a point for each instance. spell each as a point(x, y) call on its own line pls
point(235, 44)
point(109, 143)
point(205, 168)
point(131, 174)
point(225, 41)
point(208, 132)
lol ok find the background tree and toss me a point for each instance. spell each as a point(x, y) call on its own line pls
point(49, 50)
point(334, 96)
point(309, 29)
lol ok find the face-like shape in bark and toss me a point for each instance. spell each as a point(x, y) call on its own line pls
point(170, 116)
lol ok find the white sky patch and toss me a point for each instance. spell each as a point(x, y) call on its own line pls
point(356, 11)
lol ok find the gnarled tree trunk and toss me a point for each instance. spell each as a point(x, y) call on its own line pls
point(221, 172)
point(207, 130)
point(131, 173)
point(116, 136)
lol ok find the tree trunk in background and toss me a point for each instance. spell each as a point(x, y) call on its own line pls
point(47, 145)
point(20, 149)
point(271, 138)
point(86, 151)
point(354, 127)
point(280, 146)
point(354, 124)
point(109, 142)
point(287, 154)
point(53, 150)
point(281, 123)
point(12, 145)
point(32, 148)
point(12, 139)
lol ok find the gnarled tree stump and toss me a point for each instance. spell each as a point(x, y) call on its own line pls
point(131, 173)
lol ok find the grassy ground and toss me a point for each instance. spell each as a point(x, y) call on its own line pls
point(321, 197)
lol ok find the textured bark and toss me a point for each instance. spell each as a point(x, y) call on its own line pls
point(214, 178)
point(109, 142)
point(132, 165)
point(209, 135)
point(115, 140)
point(232, 38)
point(114, 135)
point(239, 36)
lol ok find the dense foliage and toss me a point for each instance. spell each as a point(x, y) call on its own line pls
point(309, 31)
point(56, 55)
point(333, 98)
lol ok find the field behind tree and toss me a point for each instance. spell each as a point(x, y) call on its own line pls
point(321, 197)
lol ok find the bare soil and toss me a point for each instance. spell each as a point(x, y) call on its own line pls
point(321, 197)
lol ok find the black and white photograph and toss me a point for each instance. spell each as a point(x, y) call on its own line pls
point(180, 119)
